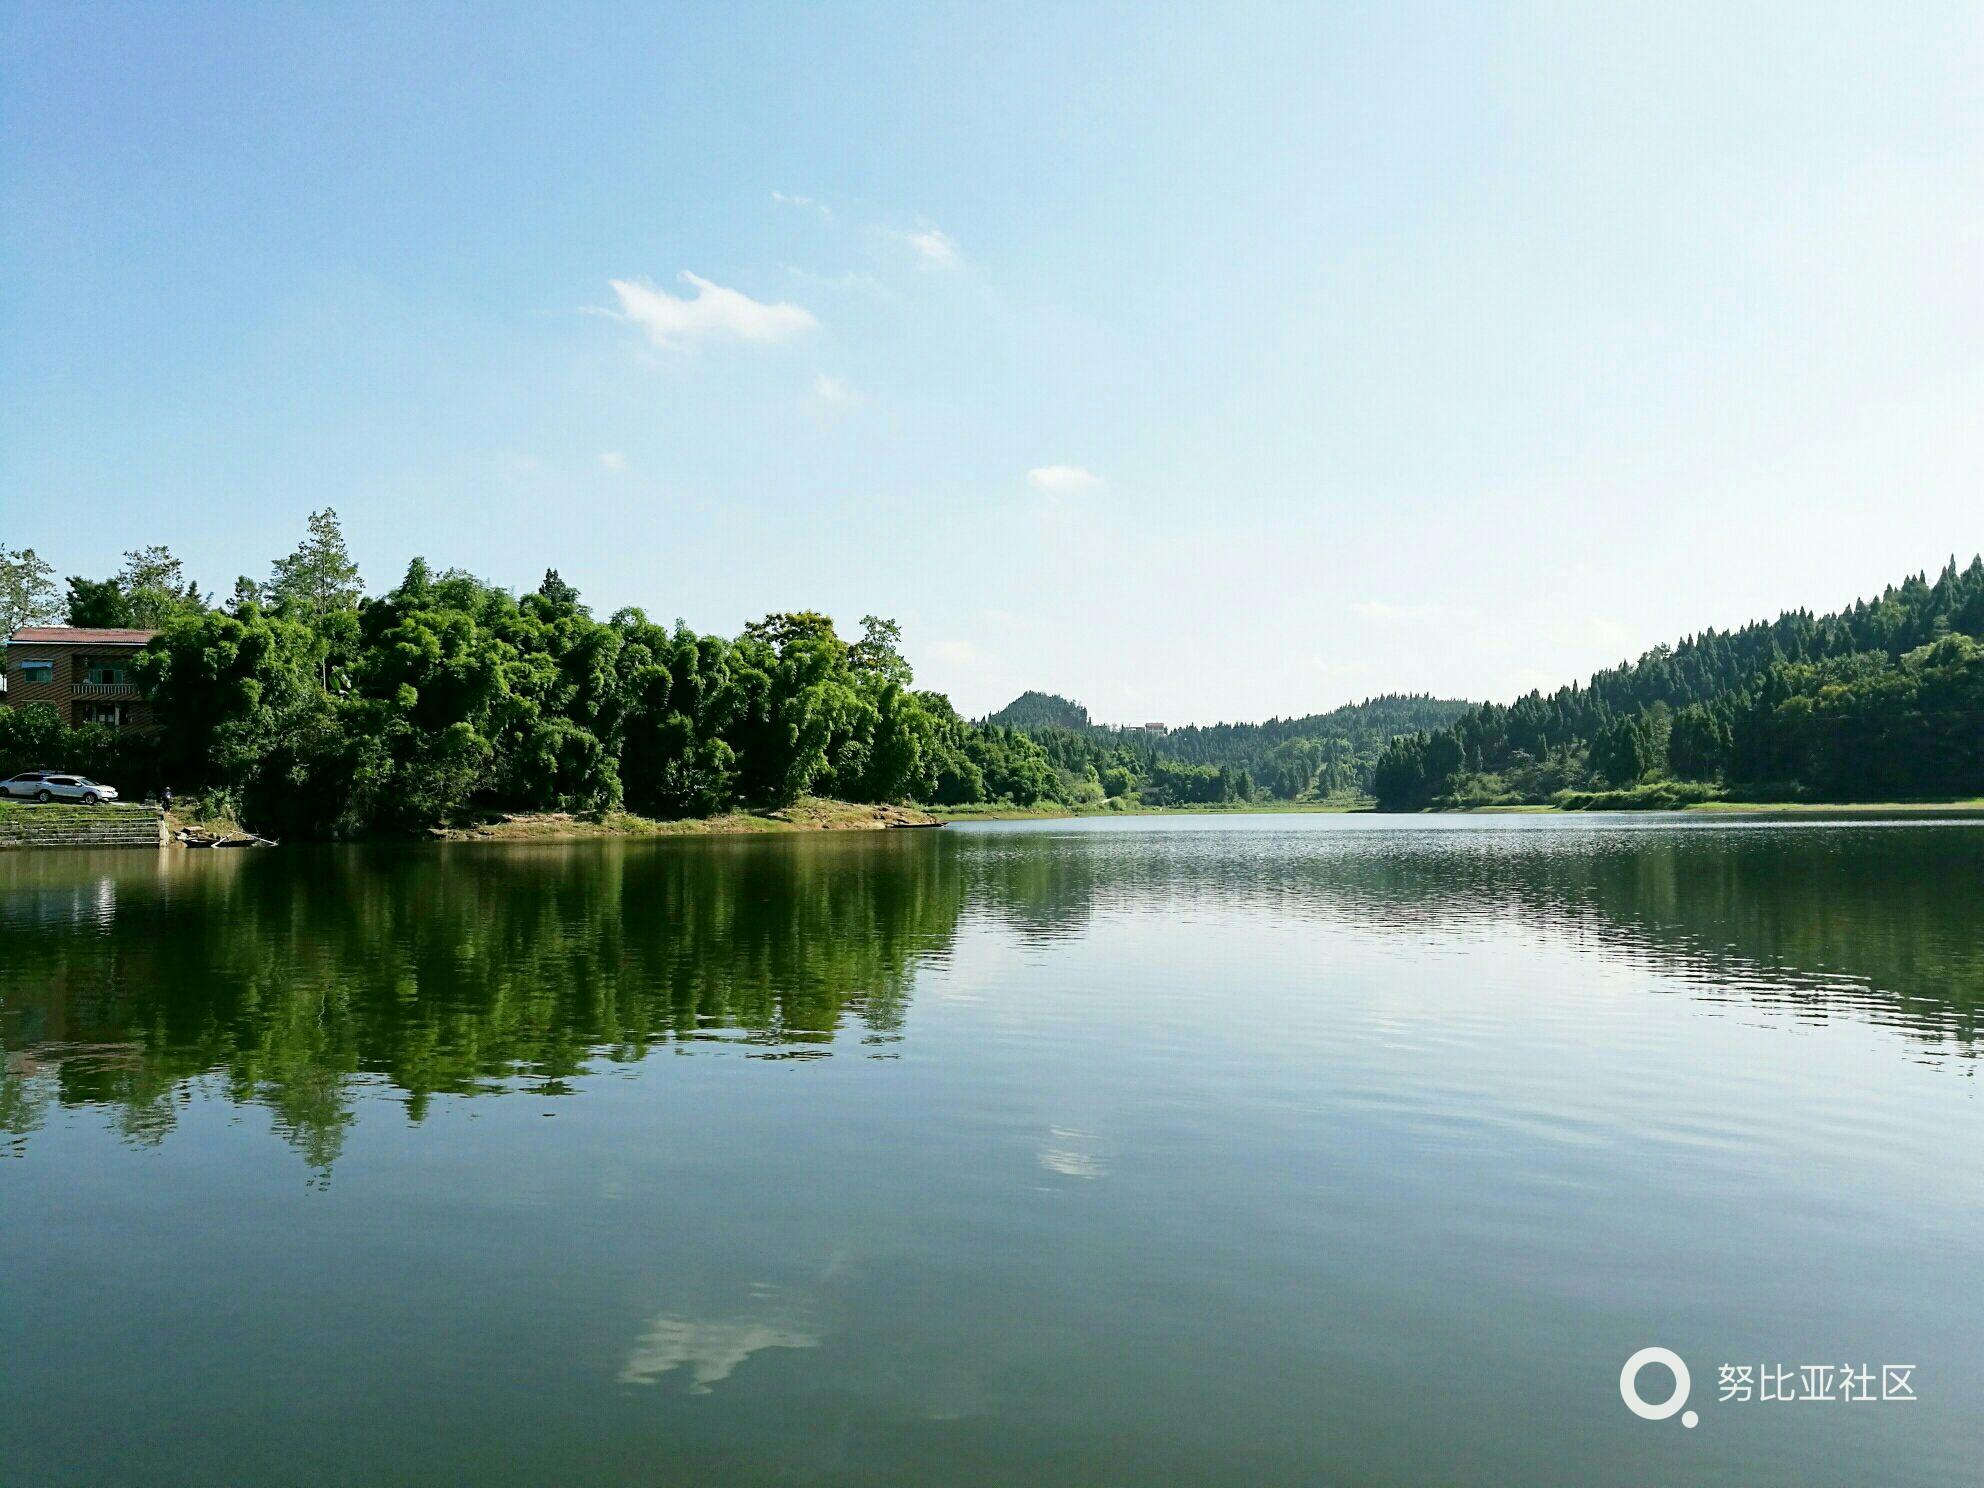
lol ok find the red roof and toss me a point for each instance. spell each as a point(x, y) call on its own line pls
point(71, 635)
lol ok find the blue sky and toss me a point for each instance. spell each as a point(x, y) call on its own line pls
point(1198, 362)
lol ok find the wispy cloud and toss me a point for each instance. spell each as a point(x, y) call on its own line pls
point(803, 204)
point(834, 391)
point(959, 653)
point(1062, 480)
point(935, 248)
point(612, 460)
point(713, 313)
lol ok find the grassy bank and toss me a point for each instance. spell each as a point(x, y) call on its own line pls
point(808, 814)
point(1974, 806)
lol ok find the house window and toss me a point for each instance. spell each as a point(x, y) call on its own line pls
point(107, 673)
point(110, 715)
point(37, 671)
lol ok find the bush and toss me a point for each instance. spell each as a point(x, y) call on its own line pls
point(1654, 795)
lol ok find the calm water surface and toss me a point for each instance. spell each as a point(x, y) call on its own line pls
point(1213, 1150)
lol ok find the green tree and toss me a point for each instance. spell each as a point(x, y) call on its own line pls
point(677, 700)
point(878, 654)
point(319, 577)
point(319, 585)
point(27, 591)
point(224, 688)
point(98, 604)
point(556, 599)
point(156, 588)
point(797, 698)
point(151, 590)
point(900, 762)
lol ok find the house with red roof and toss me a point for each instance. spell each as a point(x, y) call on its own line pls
point(84, 674)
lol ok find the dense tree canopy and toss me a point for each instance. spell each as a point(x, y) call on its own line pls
point(319, 712)
point(150, 590)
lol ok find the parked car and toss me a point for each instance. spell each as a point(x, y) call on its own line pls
point(48, 785)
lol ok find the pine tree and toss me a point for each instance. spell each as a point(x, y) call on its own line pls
point(319, 585)
point(320, 576)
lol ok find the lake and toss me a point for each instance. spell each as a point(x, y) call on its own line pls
point(1250, 1150)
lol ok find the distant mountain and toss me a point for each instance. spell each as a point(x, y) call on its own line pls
point(1038, 710)
point(1320, 755)
point(1326, 754)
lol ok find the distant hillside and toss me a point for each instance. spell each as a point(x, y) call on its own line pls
point(1321, 755)
point(1038, 710)
point(1373, 720)
point(1882, 699)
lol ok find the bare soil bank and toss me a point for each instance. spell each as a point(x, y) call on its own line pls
point(808, 814)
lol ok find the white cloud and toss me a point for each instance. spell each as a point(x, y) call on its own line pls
point(832, 390)
point(612, 460)
point(803, 203)
point(937, 248)
point(1063, 480)
point(714, 314)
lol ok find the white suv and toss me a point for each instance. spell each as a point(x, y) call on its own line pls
point(46, 786)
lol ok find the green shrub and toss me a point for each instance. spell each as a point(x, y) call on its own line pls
point(1654, 795)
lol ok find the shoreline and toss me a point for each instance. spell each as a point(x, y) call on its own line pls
point(820, 814)
point(808, 814)
point(1967, 807)
point(1955, 808)
point(1064, 813)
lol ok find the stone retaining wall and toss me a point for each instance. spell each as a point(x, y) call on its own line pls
point(24, 824)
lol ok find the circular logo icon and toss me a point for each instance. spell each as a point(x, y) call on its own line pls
point(1629, 1386)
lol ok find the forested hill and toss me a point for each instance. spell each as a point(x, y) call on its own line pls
point(1882, 699)
point(1375, 721)
point(1033, 710)
point(1318, 756)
